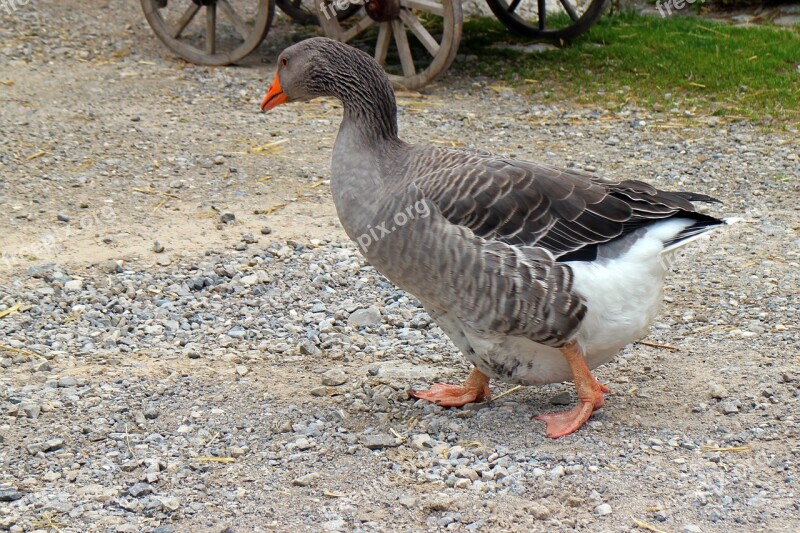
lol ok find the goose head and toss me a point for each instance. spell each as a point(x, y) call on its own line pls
point(324, 67)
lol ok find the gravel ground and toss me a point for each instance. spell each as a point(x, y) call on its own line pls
point(195, 346)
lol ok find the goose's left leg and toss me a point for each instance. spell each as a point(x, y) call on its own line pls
point(590, 394)
point(475, 389)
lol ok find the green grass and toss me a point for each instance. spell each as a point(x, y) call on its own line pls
point(662, 63)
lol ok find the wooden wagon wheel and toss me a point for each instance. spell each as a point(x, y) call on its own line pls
point(548, 19)
point(302, 12)
point(414, 40)
point(225, 33)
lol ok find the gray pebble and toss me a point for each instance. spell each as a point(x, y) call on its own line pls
point(306, 480)
point(334, 377)
point(364, 317)
point(140, 489)
point(376, 442)
point(563, 398)
point(603, 509)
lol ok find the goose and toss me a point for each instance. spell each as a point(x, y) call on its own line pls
point(537, 274)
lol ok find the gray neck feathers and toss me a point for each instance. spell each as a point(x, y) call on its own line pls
point(365, 91)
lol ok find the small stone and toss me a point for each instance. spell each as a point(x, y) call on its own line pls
point(557, 472)
point(364, 317)
point(54, 444)
point(31, 410)
point(322, 391)
point(466, 472)
point(51, 476)
point(422, 441)
point(219, 160)
point(334, 377)
point(248, 238)
point(462, 483)
point(68, 381)
point(130, 504)
point(266, 230)
point(237, 451)
point(240, 247)
point(691, 528)
point(170, 503)
point(158, 247)
point(303, 444)
point(540, 512)
point(603, 509)
point(408, 503)
point(376, 442)
point(73, 285)
point(561, 399)
point(164, 260)
point(227, 218)
point(10, 494)
point(717, 391)
point(140, 489)
point(306, 480)
point(249, 280)
point(63, 218)
point(242, 370)
point(728, 407)
point(151, 413)
point(307, 347)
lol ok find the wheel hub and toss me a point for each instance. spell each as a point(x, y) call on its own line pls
point(204, 2)
point(382, 10)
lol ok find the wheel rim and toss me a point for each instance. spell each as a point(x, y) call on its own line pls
point(210, 32)
point(414, 46)
point(544, 18)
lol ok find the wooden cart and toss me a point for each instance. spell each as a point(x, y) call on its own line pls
point(414, 40)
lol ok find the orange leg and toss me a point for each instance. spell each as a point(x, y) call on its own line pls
point(590, 394)
point(476, 388)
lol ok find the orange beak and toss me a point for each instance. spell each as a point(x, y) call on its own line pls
point(275, 96)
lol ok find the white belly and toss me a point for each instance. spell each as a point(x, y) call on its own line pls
point(623, 293)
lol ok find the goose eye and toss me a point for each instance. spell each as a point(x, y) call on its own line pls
point(283, 61)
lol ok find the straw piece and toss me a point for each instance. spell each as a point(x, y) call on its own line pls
point(10, 310)
point(659, 345)
point(648, 527)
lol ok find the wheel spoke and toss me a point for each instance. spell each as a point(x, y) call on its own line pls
point(542, 13)
point(427, 6)
point(403, 50)
point(569, 9)
point(238, 22)
point(382, 47)
point(359, 26)
point(185, 19)
point(211, 29)
point(514, 5)
point(419, 30)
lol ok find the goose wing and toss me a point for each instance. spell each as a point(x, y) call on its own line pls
point(566, 212)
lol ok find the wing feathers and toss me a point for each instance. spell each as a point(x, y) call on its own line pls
point(522, 203)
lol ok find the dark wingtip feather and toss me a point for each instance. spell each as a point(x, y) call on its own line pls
point(697, 197)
